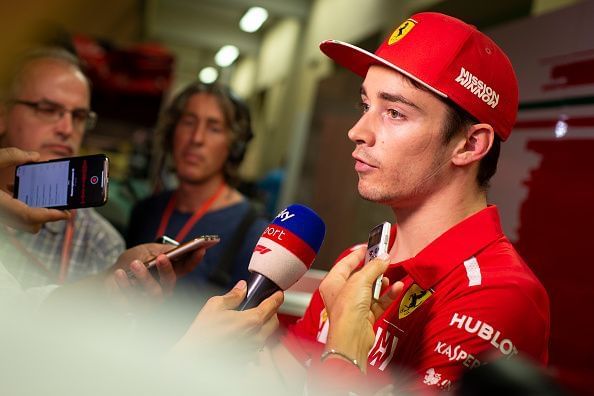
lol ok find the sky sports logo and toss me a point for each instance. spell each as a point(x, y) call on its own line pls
point(261, 249)
point(284, 215)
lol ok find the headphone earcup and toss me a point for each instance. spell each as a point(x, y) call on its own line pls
point(237, 151)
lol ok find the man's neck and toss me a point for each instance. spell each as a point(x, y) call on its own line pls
point(419, 226)
point(191, 196)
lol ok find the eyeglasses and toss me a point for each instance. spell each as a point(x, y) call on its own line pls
point(82, 119)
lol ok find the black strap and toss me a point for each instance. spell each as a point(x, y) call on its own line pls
point(221, 275)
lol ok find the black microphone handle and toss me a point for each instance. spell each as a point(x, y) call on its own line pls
point(259, 288)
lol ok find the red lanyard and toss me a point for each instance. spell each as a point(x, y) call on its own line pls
point(192, 220)
point(67, 248)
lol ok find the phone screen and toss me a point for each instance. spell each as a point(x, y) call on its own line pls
point(75, 182)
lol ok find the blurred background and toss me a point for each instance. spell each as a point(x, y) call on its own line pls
point(139, 52)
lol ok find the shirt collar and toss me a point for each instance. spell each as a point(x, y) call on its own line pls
point(450, 249)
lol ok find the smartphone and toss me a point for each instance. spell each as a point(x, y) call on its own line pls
point(66, 183)
point(204, 241)
point(377, 243)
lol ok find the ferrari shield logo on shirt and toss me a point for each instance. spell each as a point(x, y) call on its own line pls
point(413, 298)
point(401, 31)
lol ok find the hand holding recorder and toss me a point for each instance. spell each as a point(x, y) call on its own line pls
point(377, 246)
point(352, 310)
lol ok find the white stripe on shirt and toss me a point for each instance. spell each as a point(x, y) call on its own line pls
point(473, 271)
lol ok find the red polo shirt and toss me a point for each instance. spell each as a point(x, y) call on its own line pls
point(468, 297)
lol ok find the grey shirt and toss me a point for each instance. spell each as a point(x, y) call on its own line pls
point(35, 259)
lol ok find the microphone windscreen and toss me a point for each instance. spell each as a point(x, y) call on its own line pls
point(289, 245)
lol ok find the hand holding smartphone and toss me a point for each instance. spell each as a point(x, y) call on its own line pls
point(205, 241)
point(66, 183)
point(377, 244)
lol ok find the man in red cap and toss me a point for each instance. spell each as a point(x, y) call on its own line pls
point(437, 99)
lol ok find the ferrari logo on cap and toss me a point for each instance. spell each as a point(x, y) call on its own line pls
point(401, 31)
point(414, 297)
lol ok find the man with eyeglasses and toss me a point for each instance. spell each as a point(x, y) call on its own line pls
point(46, 108)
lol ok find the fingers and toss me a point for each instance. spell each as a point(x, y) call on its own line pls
point(122, 290)
point(12, 156)
point(345, 267)
point(121, 279)
point(44, 215)
point(395, 290)
point(145, 279)
point(374, 268)
point(391, 294)
point(17, 214)
point(267, 330)
point(235, 296)
point(270, 306)
point(167, 277)
point(259, 323)
point(335, 280)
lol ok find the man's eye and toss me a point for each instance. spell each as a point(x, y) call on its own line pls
point(216, 128)
point(394, 113)
point(187, 121)
point(364, 107)
point(80, 115)
point(49, 109)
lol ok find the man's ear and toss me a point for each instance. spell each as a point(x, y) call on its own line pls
point(474, 144)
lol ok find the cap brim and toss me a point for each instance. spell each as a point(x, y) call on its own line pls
point(358, 61)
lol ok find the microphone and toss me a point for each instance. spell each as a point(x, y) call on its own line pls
point(284, 252)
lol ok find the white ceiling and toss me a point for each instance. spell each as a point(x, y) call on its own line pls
point(207, 25)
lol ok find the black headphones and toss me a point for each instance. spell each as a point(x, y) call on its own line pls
point(245, 134)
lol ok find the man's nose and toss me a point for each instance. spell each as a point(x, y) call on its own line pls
point(362, 131)
point(199, 134)
point(65, 125)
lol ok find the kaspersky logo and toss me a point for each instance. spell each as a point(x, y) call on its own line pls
point(261, 249)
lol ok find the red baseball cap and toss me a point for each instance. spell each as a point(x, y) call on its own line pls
point(450, 58)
